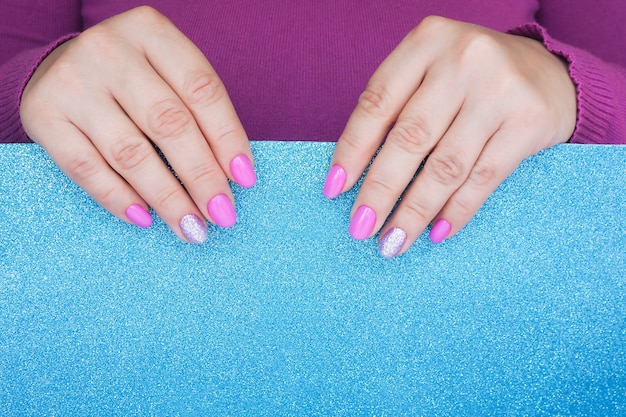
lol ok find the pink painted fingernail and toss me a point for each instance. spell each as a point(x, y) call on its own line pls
point(222, 211)
point(335, 181)
point(362, 223)
point(139, 216)
point(194, 229)
point(391, 243)
point(243, 172)
point(439, 232)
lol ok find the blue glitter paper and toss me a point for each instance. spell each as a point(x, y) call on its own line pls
point(522, 313)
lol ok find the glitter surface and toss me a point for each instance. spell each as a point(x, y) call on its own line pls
point(194, 229)
point(391, 243)
point(286, 314)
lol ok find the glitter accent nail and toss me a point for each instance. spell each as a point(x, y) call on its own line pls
point(242, 171)
point(439, 232)
point(335, 181)
point(139, 216)
point(222, 211)
point(194, 229)
point(362, 223)
point(391, 243)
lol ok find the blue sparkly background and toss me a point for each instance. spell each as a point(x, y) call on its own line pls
point(523, 312)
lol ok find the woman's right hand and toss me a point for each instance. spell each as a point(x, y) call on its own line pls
point(100, 102)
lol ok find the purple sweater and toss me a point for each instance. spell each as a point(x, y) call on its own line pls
point(294, 69)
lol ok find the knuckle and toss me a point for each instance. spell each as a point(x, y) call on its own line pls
point(411, 135)
point(417, 210)
point(483, 174)
point(105, 196)
point(479, 47)
point(479, 41)
point(146, 15)
point(463, 207)
point(135, 23)
point(446, 168)
point(352, 144)
point(99, 42)
point(167, 119)
point(166, 197)
point(204, 172)
point(203, 89)
point(129, 154)
point(433, 21)
point(82, 168)
point(380, 184)
point(225, 134)
point(145, 10)
point(92, 37)
point(430, 23)
point(430, 27)
point(375, 101)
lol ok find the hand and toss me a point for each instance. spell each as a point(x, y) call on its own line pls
point(470, 102)
point(99, 102)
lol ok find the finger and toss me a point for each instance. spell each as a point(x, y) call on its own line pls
point(502, 154)
point(389, 89)
point(200, 89)
point(443, 173)
point(132, 156)
point(81, 162)
point(419, 127)
point(169, 123)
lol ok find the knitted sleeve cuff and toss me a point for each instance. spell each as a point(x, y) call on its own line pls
point(600, 89)
point(14, 75)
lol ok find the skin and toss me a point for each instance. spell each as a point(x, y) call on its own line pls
point(96, 103)
point(475, 101)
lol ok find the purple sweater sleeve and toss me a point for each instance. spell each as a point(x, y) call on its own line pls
point(28, 33)
point(600, 87)
point(591, 36)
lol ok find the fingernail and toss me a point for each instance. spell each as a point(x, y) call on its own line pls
point(335, 181)
point(362, 223)
point(139, 216)
point(440, 230)
point(391, 243)
point(243, 172)
point(222, 211)
point(194, 229)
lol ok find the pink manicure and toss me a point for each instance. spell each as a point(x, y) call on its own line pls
point(139, 216)
point(243, 172)
point(222, 211)
point(439, 232)
point(362, 223)
point(335, 181)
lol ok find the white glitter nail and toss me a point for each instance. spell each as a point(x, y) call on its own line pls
point(194, 229)
point(392, 242)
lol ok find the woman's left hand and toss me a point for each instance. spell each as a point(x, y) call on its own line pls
point(470, 101)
